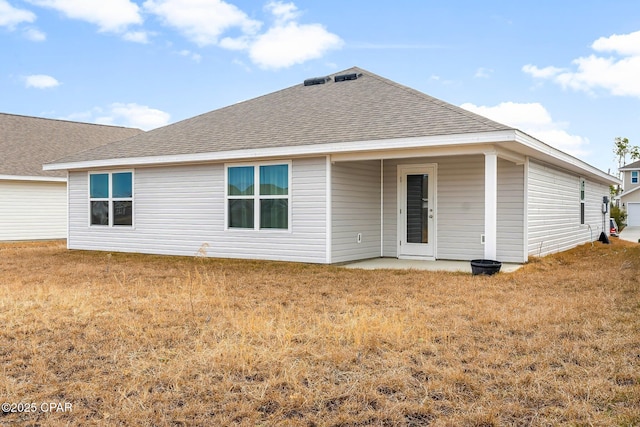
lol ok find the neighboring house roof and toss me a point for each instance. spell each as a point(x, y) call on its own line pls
point(26, 143)
point(368, 113)
point(365, 109)
point(631, 166)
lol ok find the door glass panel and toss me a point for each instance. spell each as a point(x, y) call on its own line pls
point(418, 208)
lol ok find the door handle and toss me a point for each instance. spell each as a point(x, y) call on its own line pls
point(430, 216)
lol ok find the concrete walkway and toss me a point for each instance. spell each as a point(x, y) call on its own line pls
point(410, 264)
point(632, 234)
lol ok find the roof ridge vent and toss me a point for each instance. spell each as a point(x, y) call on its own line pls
point(344, 77)
point(316, 81)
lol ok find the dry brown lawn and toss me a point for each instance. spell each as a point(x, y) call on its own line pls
point(170, 341)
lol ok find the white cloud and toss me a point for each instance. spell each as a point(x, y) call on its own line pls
point(192, 55)
point(288, 42)
point(136, 36)
point(283, 12)
point(535, 120)
point(11, 16)
point(624, 44)
point(542, 73)
point(286, 45)
point(121, 114)
point(132, 115)
point(242, 65)
point(238, 43)
point(210, 22)
point(110, 16)
point(483, 73)
point(617, 75)
point(41, 81)
point(201, 21)
point(35, 35)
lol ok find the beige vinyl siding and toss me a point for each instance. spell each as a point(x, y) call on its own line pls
point(554, 210)
point(33, 210)
point(460, 207)
point(630, 197)
point(627, 184)
point(510, 212)
point(179, 210)
point(356, 209)
point(593, 209)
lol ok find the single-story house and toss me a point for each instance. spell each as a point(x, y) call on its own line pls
point(333, 169)
point(33, 202)
point(630, 197)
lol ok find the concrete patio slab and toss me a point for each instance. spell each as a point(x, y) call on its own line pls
point(631, 234)
point(410, 264)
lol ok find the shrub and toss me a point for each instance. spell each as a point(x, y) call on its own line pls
point(619, 215)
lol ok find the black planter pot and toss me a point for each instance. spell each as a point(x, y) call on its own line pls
point(485, 266)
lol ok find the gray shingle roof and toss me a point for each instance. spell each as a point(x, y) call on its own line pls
point(26, 143)
point(634, 165)
point(368, 108)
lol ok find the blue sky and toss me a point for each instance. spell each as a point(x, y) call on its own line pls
point(567, 72)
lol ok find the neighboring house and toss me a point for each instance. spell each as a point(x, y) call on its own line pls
point(33, 202)
point(630, 197)
point(345, 167)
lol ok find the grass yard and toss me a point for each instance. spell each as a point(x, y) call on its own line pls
point(143, 340)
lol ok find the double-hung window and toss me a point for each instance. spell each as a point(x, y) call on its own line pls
point(111, 199)
point(258, 196)
point(634, 177)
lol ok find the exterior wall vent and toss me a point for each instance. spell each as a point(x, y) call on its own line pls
point(316, 81)
point(343, 77)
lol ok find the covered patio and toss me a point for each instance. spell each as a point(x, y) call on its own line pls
point(413, 264)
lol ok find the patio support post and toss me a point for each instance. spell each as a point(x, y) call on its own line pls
point(490, 205)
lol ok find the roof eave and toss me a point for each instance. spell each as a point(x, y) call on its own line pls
point(560, 158)
point(293, 151)
point(32, 178)
point(533, 147)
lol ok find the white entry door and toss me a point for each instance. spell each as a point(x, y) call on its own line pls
point(416, 211)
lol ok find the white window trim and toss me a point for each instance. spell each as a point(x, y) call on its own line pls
point(111, 199)
point(637, 177)
point(257, 197)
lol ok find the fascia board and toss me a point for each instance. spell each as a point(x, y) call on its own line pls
point(563, 159)
point(31, 178)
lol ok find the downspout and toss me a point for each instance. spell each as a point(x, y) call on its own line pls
point(381, 208)
point(328, 208)
point(68, 210)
